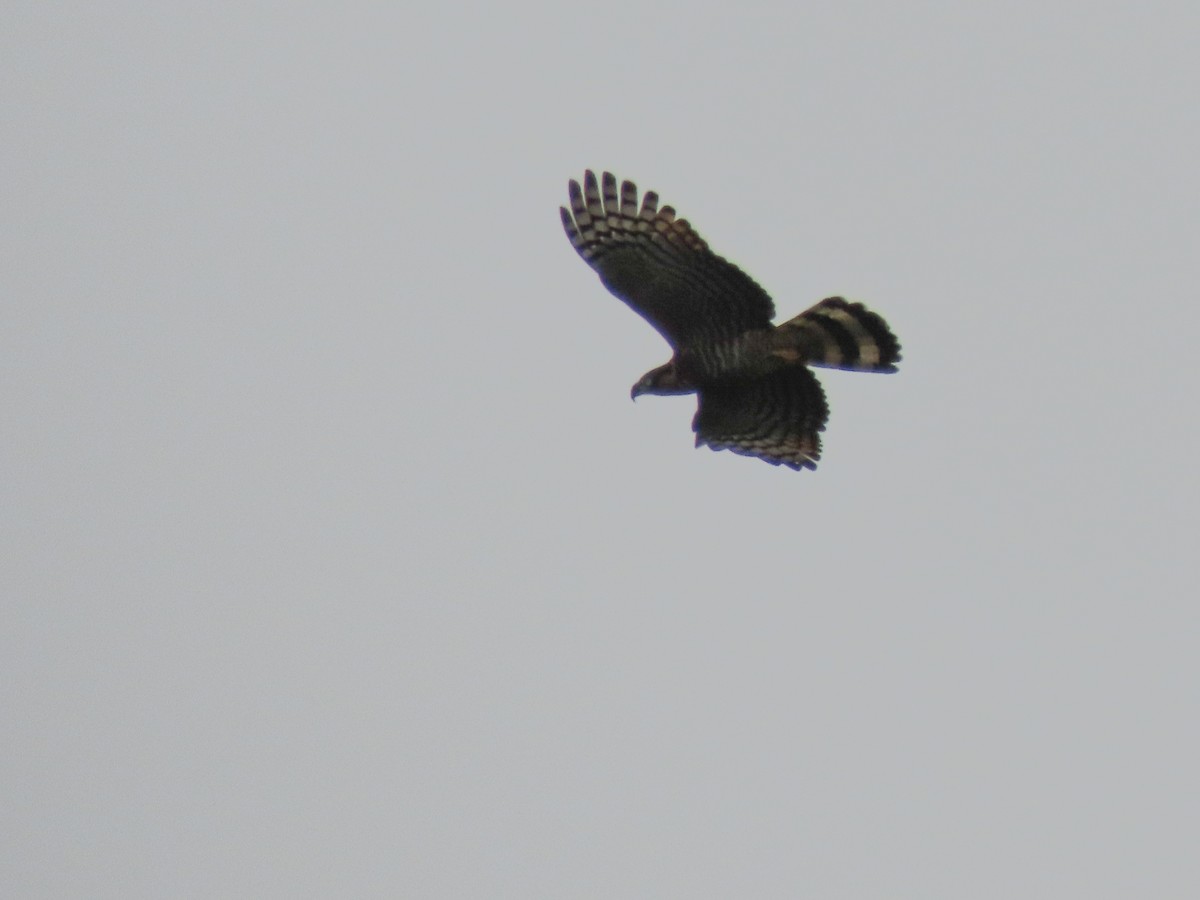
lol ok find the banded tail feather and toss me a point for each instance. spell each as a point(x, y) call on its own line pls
point(839, 334)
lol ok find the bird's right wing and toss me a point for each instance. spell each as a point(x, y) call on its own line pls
point(660, 267)
point(777, 418)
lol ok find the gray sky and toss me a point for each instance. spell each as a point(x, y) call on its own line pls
point(338, 562)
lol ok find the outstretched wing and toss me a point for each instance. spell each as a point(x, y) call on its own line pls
point(660, 267)
point(776, 418)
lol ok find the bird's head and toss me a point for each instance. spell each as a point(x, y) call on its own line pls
point(663, 380)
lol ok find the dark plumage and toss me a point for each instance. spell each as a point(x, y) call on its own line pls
point(756, 395)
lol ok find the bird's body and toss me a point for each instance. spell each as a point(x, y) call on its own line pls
point(756, 393)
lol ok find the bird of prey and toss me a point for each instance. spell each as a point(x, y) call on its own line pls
point(756, 394)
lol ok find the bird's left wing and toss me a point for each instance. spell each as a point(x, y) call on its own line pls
point(659, 266)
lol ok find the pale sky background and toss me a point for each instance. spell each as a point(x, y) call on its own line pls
point(337, 562)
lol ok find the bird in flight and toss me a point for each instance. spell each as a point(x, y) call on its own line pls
point(756, 394)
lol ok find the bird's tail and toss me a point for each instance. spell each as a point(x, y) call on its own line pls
point(838, 334)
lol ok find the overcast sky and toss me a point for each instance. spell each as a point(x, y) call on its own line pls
point(338, 563)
